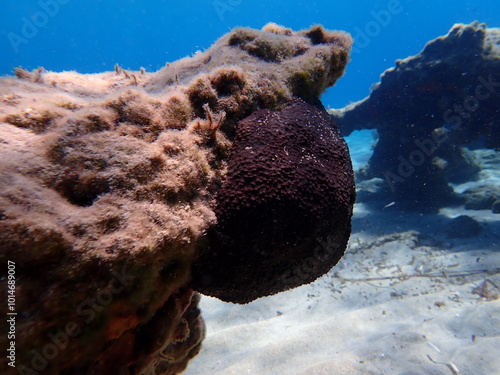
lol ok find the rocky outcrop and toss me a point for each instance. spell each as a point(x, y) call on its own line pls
point(462, 226)
point(426, 109)
point(108, 187)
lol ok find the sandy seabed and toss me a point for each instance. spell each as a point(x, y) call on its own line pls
point(400, 303)
point(405, 299)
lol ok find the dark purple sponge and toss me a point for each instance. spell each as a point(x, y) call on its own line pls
point(284, 210)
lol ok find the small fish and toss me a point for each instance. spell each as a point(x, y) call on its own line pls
point(389, 205)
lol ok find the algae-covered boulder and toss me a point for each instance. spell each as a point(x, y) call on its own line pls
point(108, 187)
point(426, 109)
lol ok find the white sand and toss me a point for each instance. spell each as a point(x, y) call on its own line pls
point(405, 299)
point(418, 307)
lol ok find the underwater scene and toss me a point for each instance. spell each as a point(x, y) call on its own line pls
point(230, 187)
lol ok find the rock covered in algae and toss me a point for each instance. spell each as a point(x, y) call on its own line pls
point(284, 210)
point(107, 193)
point(426, 109)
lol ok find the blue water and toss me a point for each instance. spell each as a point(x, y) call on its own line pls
point(91, 36)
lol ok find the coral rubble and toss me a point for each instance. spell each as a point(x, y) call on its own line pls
point(426, 109)
point(108, 188)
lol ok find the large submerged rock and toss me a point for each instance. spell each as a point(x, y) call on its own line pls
point(426, 109)
point(111, 186)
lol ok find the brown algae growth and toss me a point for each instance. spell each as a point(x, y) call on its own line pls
point(108, 186)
